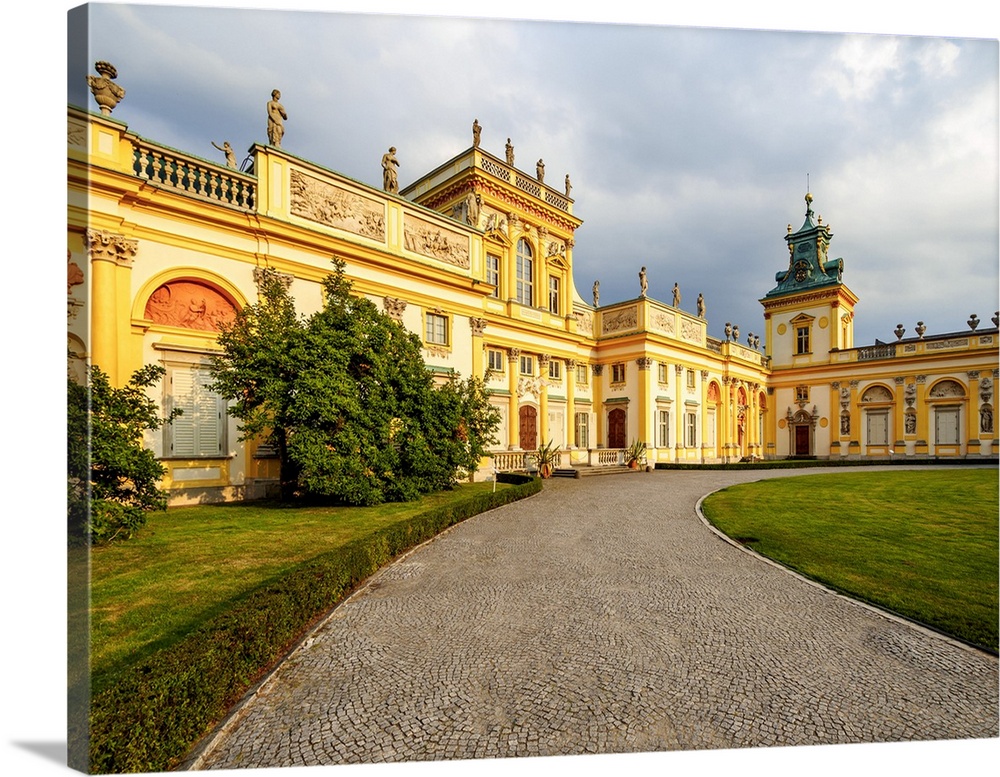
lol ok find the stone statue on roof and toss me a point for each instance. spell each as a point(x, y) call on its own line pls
point(510, 153)
point(390, 182)
point(226, 149)
point(476, 130)
point(540, 171)
point(276, 118)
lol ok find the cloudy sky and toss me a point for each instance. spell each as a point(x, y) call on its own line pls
point(690, 148)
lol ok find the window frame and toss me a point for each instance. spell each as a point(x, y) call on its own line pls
point(431, 332)
point(525, 272)
point(493, 275)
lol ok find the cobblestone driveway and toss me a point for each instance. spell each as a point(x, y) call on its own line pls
point(601, 616)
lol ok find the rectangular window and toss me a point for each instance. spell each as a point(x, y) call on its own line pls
point(690, 379)
point(525, 285)
point(582, 375)
point(661, 372)
point(802, 339)
point(878, 427)
point(436, 329)
point(946, 426)
point(555, 370)
point(553, 295)
point(663, 428)
point(527, 365)
point(801, 393)
point(495, 360)
point(618, 373)
point(493, 273)
point(581, 437)
point(691, 427)
point(200, 429)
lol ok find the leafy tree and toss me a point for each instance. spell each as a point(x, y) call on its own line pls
point(109, 468)
point(353, 404)
point(257, 370)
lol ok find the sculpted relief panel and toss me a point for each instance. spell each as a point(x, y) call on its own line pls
point(619, 320)
point(663, 322)
point(422, 237)
point(335, 207)
point(190, 305)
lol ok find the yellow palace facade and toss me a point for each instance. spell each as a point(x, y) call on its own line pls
point(476, 257)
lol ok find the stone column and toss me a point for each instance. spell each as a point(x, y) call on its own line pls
point(679, 435)
point(478, 327)
point(513, 422)
point(597, 391)
point(724, 417)
point(570, 403)
point(704, 413)
point(111, 258)
point(644, 363)
point(543, 398)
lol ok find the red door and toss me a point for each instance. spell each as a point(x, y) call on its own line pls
point(802, 441)
point(616, 429)
point(528, 428)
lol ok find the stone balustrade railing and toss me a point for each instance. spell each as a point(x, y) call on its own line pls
point(881, 351)
point(610, 457)
point(191, 175)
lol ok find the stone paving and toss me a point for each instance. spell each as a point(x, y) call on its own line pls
point(601, 616)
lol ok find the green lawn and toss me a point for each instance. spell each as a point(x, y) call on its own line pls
point(923, 544)
point(188, 563)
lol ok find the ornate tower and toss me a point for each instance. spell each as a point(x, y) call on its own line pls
point(810, 312)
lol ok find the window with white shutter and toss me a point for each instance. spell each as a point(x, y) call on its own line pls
point(199, 431)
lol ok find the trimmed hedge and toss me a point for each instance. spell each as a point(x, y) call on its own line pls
point(800, 463)
point(156, 711)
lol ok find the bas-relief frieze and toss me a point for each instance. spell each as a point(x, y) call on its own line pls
point(619, 320)
point(327, 204)
point(947, 388)
point(427, 239)
point(76, 134)
point(584, 323)
point(691, 331)
point(663, 322)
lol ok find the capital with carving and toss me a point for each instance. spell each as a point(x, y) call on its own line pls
point(571, 364)
point(513, 355)
point(598, 369)
point(478, 326)
point(104, 246)
point(678, 368)
point(644, 362)
point(544, 359)
point(285, 278)
point(704, 374)
point(394, 307)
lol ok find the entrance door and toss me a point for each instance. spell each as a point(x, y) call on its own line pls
point(527, 428)
point(802, 441)
point(617, 433)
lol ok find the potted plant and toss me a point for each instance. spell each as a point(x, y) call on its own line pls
point(635, 454)
point(546, 457)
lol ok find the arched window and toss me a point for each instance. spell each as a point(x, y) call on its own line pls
point(525, 273)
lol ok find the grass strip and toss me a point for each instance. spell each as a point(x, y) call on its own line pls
point(921, 544)
point(154, 711)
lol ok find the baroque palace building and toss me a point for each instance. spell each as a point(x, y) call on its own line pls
point(477, 257)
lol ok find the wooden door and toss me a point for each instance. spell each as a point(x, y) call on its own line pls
point(527, 428)
point(617, 432)
point(802, 440)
